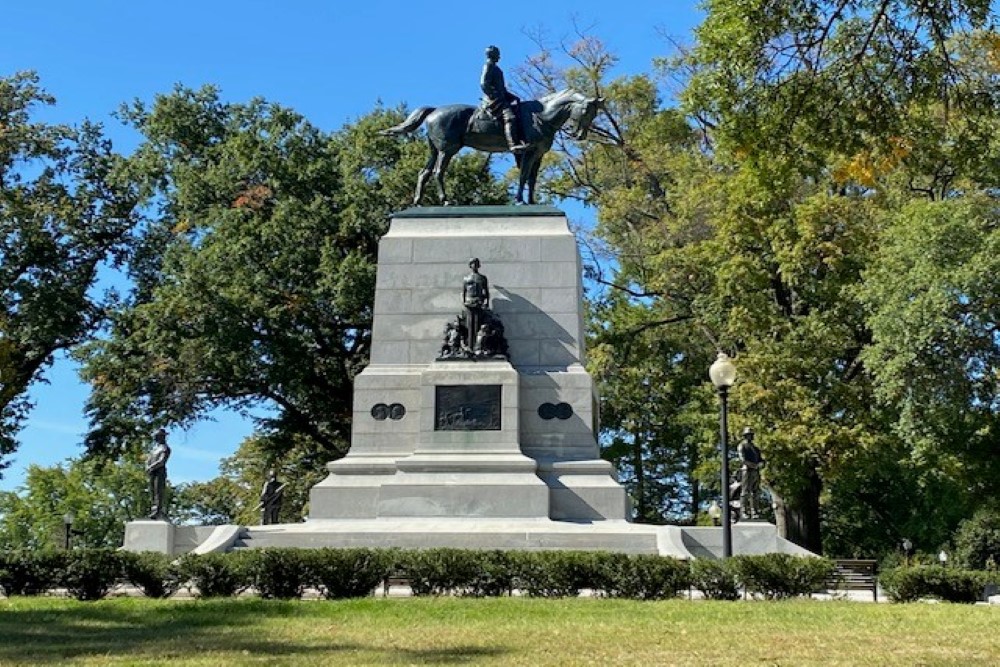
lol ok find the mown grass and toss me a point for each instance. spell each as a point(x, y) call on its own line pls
point(507, 631)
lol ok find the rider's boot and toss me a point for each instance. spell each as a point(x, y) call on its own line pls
point(508, 131)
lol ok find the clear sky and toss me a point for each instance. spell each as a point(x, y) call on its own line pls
point(331, 61)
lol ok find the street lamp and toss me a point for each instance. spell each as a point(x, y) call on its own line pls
point(723, 374)
point(943, 558)
point(715, 512)
point(68, 535)
point(907, 549)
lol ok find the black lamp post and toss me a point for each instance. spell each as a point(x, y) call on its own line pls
point(723, 374)
point(907, 549)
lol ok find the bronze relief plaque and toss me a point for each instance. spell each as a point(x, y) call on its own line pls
point(467, 407)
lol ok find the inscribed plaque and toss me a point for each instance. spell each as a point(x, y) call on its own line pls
point(474, 407)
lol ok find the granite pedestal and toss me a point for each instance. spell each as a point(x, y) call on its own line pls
point(542, 460)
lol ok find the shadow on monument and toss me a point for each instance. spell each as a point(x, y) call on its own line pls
point(527, 326)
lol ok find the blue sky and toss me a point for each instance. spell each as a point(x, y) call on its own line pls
point(331, 61)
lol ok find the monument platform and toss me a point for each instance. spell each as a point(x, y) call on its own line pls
point(475, 450)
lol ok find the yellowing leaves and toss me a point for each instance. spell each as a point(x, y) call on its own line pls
point(869, 165)
point(181, 227)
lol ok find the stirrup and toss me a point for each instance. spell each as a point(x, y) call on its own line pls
point(519, 148)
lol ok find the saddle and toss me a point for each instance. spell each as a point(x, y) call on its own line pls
point(483, 122)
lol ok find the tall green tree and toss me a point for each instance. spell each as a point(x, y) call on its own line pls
point(648, 349)
point(63, 215)
point(255, 276)
point(100, 497)
point(752, 228)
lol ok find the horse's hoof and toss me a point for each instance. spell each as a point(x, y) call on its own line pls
point(446, 203)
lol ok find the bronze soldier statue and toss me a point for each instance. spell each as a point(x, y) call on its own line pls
point(498, 101)
point(156, 468)
point(270, 499)
point(476, 299)
point(752, 461)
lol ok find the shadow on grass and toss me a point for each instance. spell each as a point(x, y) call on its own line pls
point(451, 656)
point(163, 631)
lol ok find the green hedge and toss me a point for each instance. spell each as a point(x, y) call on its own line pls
point(156, 575)
point(908, 584)
point(217, 574)
point(349, 573)
point(716, 579)
point(25, 572)
point(781, 576)
point(89, 574)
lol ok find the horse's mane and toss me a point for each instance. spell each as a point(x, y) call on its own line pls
point(559, 95)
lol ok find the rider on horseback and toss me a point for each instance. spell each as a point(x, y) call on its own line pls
point(498, 100)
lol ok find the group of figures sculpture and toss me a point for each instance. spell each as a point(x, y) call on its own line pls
point(477, 333)
point(500, 124)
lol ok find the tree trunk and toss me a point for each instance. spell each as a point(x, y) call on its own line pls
point(797, 515)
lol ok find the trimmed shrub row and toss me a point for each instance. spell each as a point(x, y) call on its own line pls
point(89, 574)
point(344, 573)
point(908, 584)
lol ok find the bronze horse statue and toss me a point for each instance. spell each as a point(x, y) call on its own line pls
point(451, 127)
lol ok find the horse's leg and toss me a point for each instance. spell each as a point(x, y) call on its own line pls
point(443, 159)
point(425, 174)
point(528, 166)
point(523, 167)
point(533, 177)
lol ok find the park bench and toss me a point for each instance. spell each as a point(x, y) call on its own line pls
point(855, 575)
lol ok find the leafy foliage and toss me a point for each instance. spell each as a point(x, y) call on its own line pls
point(281, 574)
point(555, 574)
point(799, 212)
point(780, 576)
point(349, 573)
point(90, 574)
point(155, 574)
point(100, 496)
point(63, 214)
point(716, 579)
point(30, 572)
point(645, 577)
point(216, 574)
point(439, 571)
point(909, 584)
point(977, 540)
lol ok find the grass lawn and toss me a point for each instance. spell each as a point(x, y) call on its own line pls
point(504, 631)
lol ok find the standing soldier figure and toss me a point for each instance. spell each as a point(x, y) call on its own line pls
point(156, 468)
point(270, 499)
point(752, 461)
point(476, 299)
point(498, 99)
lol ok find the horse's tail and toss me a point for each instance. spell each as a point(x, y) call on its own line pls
point(412, 122)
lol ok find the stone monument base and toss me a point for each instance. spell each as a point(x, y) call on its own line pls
point(149, 536)
point(164, 537)
point(501, 533)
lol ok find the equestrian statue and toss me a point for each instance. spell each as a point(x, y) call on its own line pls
point(502, 123)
